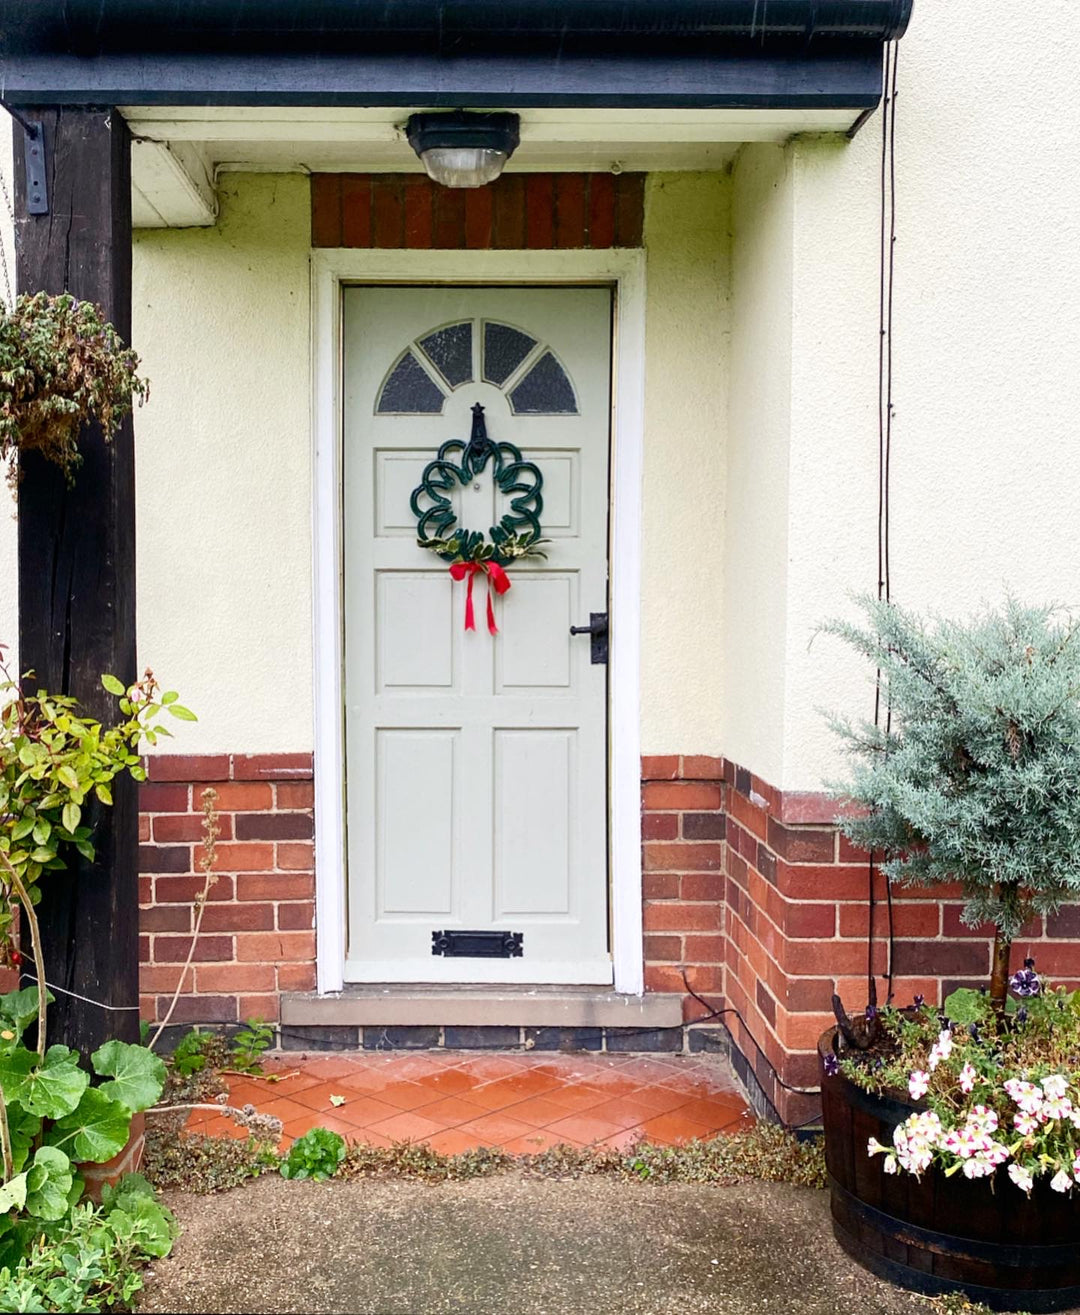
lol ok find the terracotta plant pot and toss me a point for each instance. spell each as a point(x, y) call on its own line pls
point(935, 1234)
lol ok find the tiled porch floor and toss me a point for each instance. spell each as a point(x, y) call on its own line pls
point(457, 1101)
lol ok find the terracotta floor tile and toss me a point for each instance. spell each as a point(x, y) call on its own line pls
point(359, 1111)
point(611, 1084)
point(317, 1097)
point(407, 1127)
point(325, 1069)
point(576, 1099)
point(452, 1142)
point(649, 1070)
point(459, 1100)
point(693, 1084)
point(490, 1067)
point(661, 1099)
point(407, 1095)
point(495, 1129)
point(415, 1066)
point(508, 1091)
point(539, 1111)
point(297, 1127)
point(243, 1092)
point(365, 1137)
point(715, 1112)
point(371, 1080)
point(673, 1129)
point(620, 1141)
point(582, 1128)
point(285, 1109)
point(451, 1110)
point(623, 1112)
point(289, 1085)
point(539, 1139)
point(450, 1082)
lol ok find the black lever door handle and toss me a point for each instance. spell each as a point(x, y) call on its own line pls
point(598, 629)
point(597, 626)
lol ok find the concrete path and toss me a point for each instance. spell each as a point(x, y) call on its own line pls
point(512, 1244)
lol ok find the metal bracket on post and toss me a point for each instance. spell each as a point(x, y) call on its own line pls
point(37, 191)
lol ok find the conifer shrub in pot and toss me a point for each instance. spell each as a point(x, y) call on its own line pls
point(953, 1127)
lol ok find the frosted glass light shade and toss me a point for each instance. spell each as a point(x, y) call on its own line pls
point(463, 166)
point(460, 149)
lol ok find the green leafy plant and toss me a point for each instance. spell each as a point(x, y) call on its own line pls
point(54, 763)
point(249, 1045)
point(52, 1117)
point(976, 778)
point(316, 1155)
point(61, 366)
point(195, 1051)
point(90, 1259)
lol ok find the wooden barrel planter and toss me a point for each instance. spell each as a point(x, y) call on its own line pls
point(934, 1234)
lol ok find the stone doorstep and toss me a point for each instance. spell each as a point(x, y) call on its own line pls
point(411, 1006)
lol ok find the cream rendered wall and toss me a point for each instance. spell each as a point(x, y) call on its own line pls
point(687, 327)
point(755, 545)
point(223, 461)
point(221, 318)
point(986, 350)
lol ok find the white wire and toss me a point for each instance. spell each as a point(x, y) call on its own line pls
point(114, 1009)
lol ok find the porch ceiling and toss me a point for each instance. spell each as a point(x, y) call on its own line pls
point(326, 84)
point(180, 150)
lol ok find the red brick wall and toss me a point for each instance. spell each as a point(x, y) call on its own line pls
point(682, 874)
point(258, 933)
point(796, 909)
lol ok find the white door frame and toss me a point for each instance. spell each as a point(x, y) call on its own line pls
point(625, 270)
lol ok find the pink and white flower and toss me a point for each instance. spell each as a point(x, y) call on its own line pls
point(941, 1049)
point(918, 1084)
point(1021, 1177)
point(967, 1078)
point(1055, 1085)
point(1061, 1182)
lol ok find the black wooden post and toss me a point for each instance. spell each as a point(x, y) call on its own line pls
point(77, 565)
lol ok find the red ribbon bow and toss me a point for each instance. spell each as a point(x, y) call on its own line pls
point(497, 579)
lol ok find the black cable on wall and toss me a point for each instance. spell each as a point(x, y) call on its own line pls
point(887, 265)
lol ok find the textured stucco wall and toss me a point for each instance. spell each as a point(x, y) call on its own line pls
point(986, 342)
point(222, 323)
point(687, 240)
point(755, 544)
point(223, 453)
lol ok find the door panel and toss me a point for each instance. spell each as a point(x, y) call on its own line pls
point(476, 764)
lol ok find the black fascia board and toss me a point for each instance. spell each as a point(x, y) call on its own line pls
point(840, 79)
point(101, 27)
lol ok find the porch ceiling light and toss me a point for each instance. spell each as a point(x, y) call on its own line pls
point(460, 149)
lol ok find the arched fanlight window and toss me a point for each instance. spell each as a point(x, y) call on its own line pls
point(438, 362)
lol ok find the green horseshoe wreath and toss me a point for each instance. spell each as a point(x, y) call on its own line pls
point(471, 552)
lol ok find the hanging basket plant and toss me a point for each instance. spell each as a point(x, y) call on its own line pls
point(62, 366)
